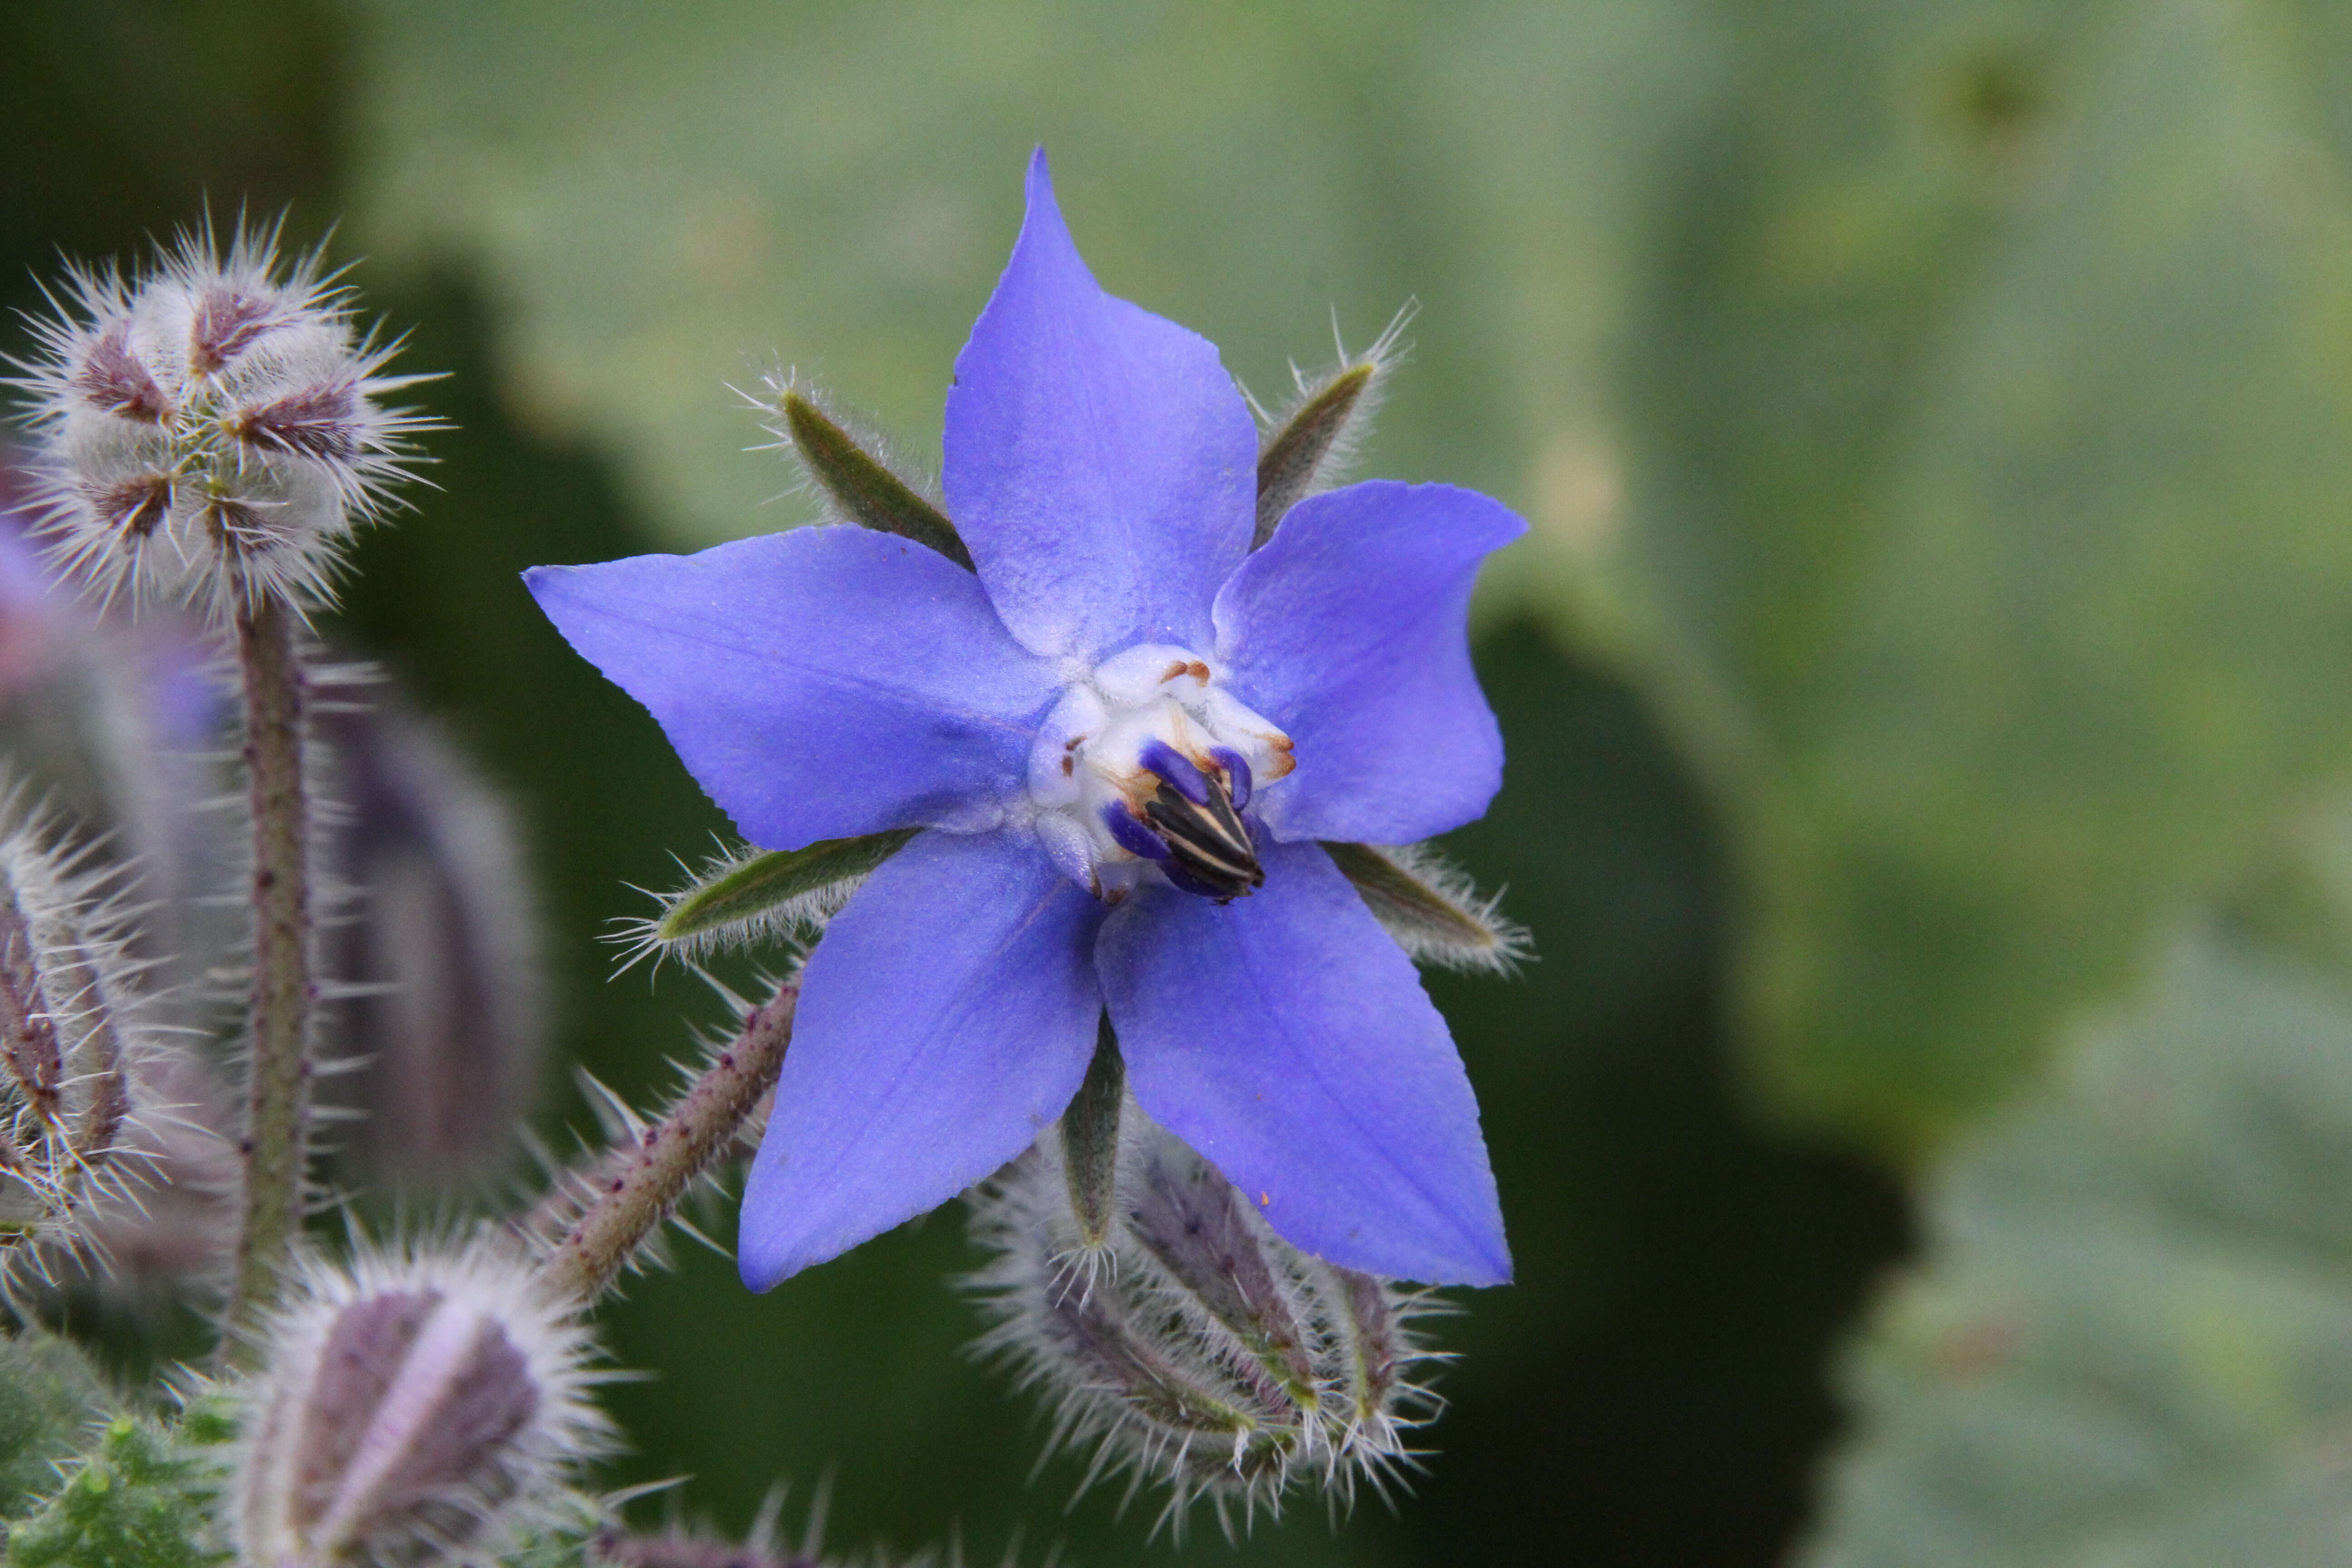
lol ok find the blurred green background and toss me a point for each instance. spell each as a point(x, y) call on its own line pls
point(1933, 416)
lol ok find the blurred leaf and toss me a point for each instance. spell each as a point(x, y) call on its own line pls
point(142, 1497)
point(663, 198)
point(1997, 395)
point(49, 1398)
point(2131, 1345)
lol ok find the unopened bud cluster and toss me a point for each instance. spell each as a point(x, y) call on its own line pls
point(1185, 1342)
point(72, 1044)
point(423, 1408)
point(210, 430)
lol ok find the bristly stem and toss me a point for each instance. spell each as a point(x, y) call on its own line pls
point(275, 1149)
point(639, 1184)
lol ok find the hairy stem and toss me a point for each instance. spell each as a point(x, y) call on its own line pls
point(277, 1114)
point(638, 1184)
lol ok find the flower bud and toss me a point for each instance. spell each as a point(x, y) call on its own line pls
point(211, 429)
point(75, 1055)
point(181, 1230)
point(440, 1042)
point(113, 720)
point(1193, 1347)
point(422, 1407)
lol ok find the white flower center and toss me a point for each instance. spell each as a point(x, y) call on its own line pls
point(1146, 769)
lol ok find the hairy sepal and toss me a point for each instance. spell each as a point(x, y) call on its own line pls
point(857, 483)
point(1311, 443)
point(1434, 911)
point(1090, 1141)
point(756, 895)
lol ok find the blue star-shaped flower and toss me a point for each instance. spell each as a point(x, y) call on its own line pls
point(1123, 736)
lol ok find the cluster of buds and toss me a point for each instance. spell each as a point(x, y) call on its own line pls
point(75, 1058)
point(1176, 1335)
point(210, 430)
point(422, 1407)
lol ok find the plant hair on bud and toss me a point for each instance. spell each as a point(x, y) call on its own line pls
point(423, 1404)
point(1195, 1349)
point(80, 1062)
point(211, 429)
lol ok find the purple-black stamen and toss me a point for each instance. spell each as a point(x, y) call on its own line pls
point(1133, 836)
point(1177, 768)
point(1207, 842)
point(1184, 881)
point(1238, 779)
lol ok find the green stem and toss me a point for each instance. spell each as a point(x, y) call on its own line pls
point(278, 1115)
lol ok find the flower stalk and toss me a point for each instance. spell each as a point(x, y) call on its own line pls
point(623, 1199)
point(275, 1149)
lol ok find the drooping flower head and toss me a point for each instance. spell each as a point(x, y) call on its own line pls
point(212, 429)
point(1120, 734)
point(1190, 1347)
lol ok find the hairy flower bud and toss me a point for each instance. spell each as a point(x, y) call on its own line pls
point(444, 1031)
point(211, 429)
point(75, 1055)
point(1194, 1348)
point(422, 1407)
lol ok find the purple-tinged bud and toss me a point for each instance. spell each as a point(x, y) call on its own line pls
point(1191, 1346)
point(183, 1226)
point(445, 1030)
point(77, 1059)
point(211, 429)
point(417, 1408)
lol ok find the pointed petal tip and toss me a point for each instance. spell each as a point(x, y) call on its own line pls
point(764, 1268)
point(759, 1276)
point(1043, 222)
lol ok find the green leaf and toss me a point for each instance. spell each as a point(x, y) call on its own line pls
point(766, 893)
point(1995, 401)
point(142, 1497)
point(653, 195)
point(2130, 1342)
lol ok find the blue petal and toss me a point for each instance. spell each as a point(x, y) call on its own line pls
point(945, 1021)
point(1286, 1038)
point(1100, 464)
point(819, 683)
point(1350, 630)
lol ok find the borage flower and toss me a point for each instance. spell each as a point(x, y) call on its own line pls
point(1121, 736)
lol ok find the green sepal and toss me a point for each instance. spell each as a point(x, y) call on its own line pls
point(1291, 457)
point(770, 891)
point(1090, 1141)
point(861, 484)
point(1432, 909)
